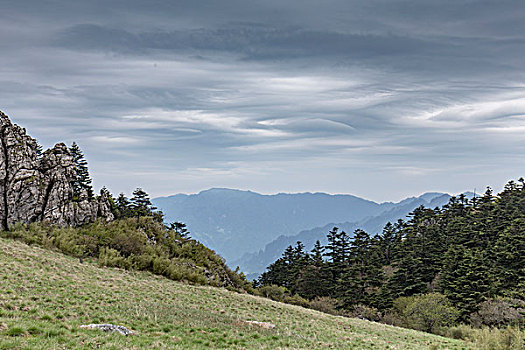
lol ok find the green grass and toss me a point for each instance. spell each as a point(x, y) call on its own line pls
point(45, 296)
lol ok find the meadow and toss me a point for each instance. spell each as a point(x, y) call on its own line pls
point(46, 296)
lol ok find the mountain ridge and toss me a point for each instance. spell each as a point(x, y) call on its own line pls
point(254, 263)
point(222, 217)
point(234, 222)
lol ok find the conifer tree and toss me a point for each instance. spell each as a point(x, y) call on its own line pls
point(141, 204)
point(39, 150)
point(338, 250)
point(509, 260)
point(468, 250)
point(362, 278)
point(313, 281)
point(83, 180)
point(285, 270)
point(317, 254)
point(180, 229)
point(124, 206)
point(387, 243)
point(466, 278)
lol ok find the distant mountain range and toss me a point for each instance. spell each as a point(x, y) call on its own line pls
point(251, 230)
point(255, 263)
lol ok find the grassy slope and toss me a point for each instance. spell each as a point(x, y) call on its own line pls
point(46, 296)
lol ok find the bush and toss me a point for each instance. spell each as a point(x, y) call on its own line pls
point(365, 312)
point(426, 312)
point(325, 304)
point(392, 318)
point(509, 338)
point(112, 258)
point(128, 243)
point(489, 338)
point(499, 312)
point(462, 332)
point(296, 300)
point(140, 245)
point(273, 292)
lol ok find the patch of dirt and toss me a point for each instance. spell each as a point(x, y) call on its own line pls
point(265, 325)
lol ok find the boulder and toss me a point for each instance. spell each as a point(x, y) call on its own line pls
point(109, 328)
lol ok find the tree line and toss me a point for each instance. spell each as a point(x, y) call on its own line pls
point(139, 205)
point(467, 255)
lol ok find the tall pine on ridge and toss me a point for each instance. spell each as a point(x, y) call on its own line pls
point(83, 180)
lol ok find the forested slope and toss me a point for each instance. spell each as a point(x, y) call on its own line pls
point(470, 253)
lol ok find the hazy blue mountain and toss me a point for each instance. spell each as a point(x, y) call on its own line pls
point(239, 224)
point(255, 263)
point(234, 222)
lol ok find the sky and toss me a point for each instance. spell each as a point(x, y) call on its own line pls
point(382, 99)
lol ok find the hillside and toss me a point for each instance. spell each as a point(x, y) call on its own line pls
point(46, 296)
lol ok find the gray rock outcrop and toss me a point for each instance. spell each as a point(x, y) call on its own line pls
point(37, 187)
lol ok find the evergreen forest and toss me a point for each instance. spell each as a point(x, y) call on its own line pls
point(462, 263)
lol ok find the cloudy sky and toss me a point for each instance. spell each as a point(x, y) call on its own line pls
point(378, 98)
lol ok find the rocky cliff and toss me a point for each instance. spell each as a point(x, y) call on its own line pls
point(36, 187)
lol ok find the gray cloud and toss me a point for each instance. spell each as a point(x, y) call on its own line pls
point(380, 98)
point(250, 40)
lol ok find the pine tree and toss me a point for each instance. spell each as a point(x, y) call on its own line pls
point(141, 204)
point(39, 150)
point(509, 258)
point(83, 180)
point(279, 272)
point(317, 254)
point(338, 251)
point(285, 270)
point(362, 278)
point(124, 206)
point(388, 242)
point(338, 248)
point(313, 281)
point(468, 250)
point(466, 278)
point(180, 229)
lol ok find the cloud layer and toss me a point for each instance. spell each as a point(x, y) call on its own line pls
point(381, 99)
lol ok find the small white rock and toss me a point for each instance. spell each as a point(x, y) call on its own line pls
point(109, 328)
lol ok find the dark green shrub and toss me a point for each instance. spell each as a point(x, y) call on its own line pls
point(426, 312)
point(296, 299)
point(273, 292)
point(128, 243)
